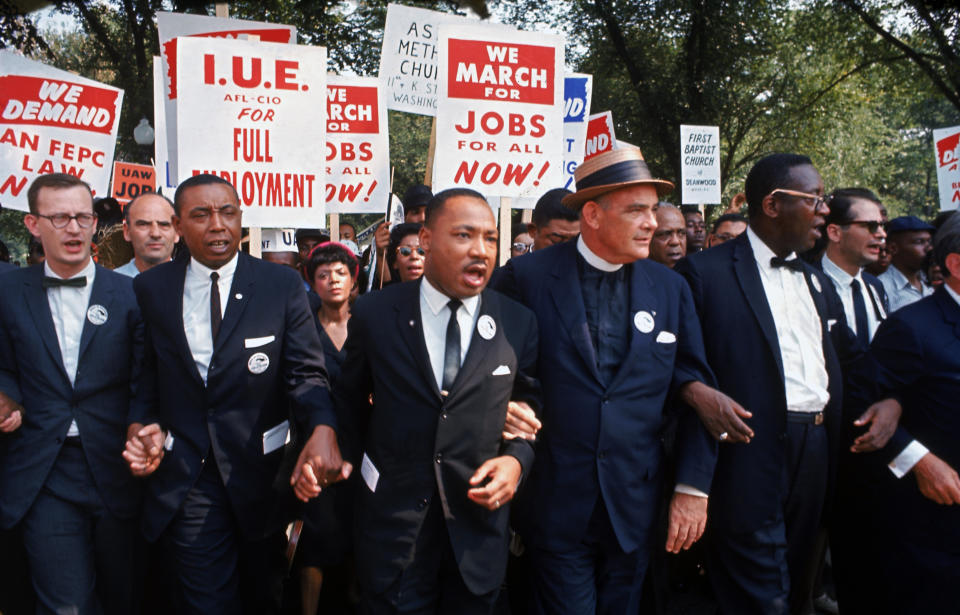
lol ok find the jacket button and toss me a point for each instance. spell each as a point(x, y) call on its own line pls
point(422, 504)
point(444, 416)
point(604, 399)
point(439, 457)
point(602, 455)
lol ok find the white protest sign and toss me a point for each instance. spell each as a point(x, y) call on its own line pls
point(165, 179)
point(700, 164)
point(600, 135)
point(946, 144)
point(358, 147)
point(253, 113)
point(278, 240)
point(52, 121)
point(500, 112)
point(173, 25)
point(577, 90)
point(409, 56)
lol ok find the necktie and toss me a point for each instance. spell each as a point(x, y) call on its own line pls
point(216, 317)
point(860, 314)
point(51, 282)
point(451, 351)
point(794, 263)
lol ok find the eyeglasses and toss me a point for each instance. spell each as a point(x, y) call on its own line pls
point(407, 251)
point(521, 247)
point(62, 220)
point(872, 226)
point(817, 199)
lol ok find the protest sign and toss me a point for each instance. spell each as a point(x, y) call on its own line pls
point(600, 135)
point(52, 121)
point(500, 111)
point(357, 147)
point(700, 164)
point(131, 180)
point(254, 114)
point(165, 180)
point(946, 143)
point(577, 90)
point(173, 25)
point(409, 56)
point(278, 240)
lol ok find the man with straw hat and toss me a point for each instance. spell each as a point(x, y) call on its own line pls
point(618, 335)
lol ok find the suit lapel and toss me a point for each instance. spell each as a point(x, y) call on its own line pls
point(35, 297)
point(479, 345)
point(745, 268)
point(410, 326)
point(101, 294)
point(568, 298)
point(640, 299)
point(240, 292)
point(950, 309)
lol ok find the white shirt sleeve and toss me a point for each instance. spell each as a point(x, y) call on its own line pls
point(690, 490)
point(907, 458)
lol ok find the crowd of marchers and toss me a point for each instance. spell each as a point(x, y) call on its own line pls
point(631, 400)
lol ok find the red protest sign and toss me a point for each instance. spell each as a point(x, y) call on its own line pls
point(486, 70)
point(600, 137)
point(48, 102)
point(352, 109)
point(131, 180)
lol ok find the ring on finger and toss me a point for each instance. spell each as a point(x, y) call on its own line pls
point(724, 436)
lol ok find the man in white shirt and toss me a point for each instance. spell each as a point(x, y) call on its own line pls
point(70, 353)
point(148, 226)
point(909, 242)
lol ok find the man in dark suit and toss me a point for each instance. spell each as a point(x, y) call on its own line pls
point(917, 513)
point(232, 346)
point(71, 345)
point(770, 325)
point(450, 356)
point(5, 267)
point(617, 334)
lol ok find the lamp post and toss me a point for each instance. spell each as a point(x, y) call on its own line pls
point(143, 135)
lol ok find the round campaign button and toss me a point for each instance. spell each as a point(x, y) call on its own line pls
point(97, 314)
point(258, 363)
point(486, 327)
point(643, 321)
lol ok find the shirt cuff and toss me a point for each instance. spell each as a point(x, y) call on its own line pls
point(907, 458)
point(689, 490)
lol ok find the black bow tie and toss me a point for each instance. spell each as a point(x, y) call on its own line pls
point(51, 282)
point(794, 263)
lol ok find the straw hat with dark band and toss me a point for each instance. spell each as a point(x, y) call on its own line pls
point(619, 168)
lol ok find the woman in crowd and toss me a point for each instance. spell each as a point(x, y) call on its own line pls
point(404, 254)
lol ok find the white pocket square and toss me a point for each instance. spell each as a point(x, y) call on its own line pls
point(665, 337)
point(503, 370)
point(830, 323)
point(256, 342)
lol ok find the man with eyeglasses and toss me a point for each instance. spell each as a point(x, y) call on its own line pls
point(71, 346)
point(148, 226)
point(233, 358)
point(774, 333)
point(522, 244)
point(909, 240)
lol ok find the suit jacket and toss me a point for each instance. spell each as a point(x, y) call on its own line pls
point(266, 314)
point(103, 394)
point(917, 350)
point(7, 267)
point(743, 349)
point(604, 440)
point(425, 445)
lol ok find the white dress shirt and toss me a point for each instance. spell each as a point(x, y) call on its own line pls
point(900, 291)
point(841, 281)
point(799, 332)
point(130, 269)
point(196, 308)
point(68, 307)
point(912, 453)
point(436, 315)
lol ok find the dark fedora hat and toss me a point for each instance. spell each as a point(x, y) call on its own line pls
point(613, 170)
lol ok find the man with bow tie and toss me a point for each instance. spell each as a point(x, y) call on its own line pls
point(71, 346)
